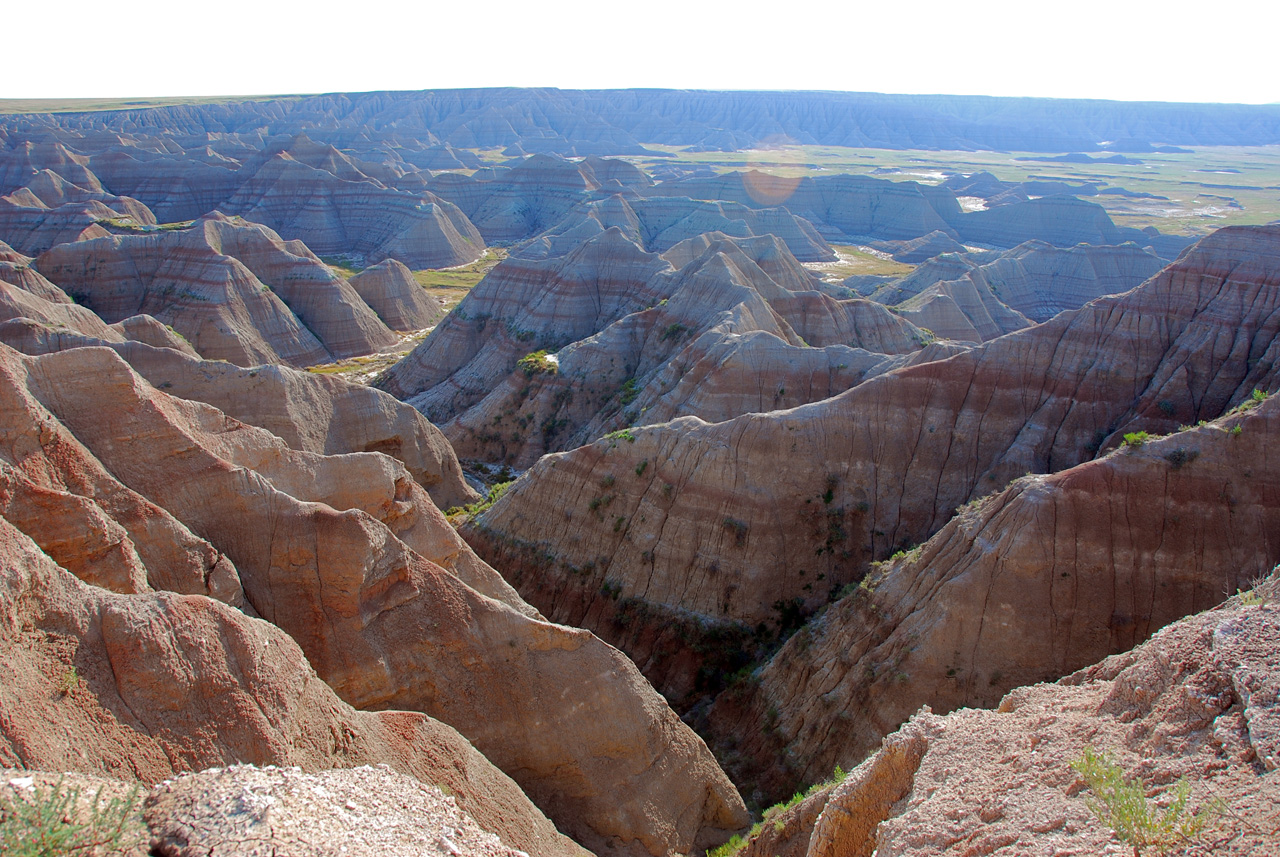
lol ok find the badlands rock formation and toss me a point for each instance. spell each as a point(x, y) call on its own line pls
point(1035, 280)
point(175, 188)
point(499, 321)
point(848, 208)
point(609, 120)
point(356, 215)
point(51, 210)
point(1044, 578)
point(718, 520)
point(233, 289)
point(648, 339)
point(518, 203)
point(1195, 703)
point(659, 224)
point(839, 206)
point(348, 556)
point(391, 291)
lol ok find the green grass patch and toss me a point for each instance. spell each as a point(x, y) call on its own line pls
point(855, 261)
point(450, 285)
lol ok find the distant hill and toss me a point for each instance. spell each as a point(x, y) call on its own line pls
point(586, 122)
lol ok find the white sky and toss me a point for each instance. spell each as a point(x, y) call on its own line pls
point(1117, 49)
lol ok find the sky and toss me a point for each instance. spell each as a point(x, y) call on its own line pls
point(1120, 50)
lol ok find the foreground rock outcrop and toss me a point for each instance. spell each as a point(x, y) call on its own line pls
point(308, 411)
point(1195, 703)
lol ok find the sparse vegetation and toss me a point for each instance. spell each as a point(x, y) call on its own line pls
point(495, 494)
point(1136, 439)
point(1122, 805)
point(68, 681)
point(621, 434)
point(537, 363)
point(673, 332)
point(1181, 456)
point(627, 394)
point(60, 820)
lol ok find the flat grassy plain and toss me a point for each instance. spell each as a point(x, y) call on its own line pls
point(1205, 190)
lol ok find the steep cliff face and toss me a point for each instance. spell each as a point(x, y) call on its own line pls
point(1194, 703)
point(751, 519)
point(610, 120)
point(234, 289)
point(348, 556)
point(1049, 575)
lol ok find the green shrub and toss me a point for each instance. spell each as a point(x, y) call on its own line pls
point(537, 363)
point(1122, 805)
point(495, 494)
point(56, 821)
point(1136, 439)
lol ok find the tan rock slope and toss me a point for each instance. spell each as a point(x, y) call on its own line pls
point(1196, 702)
point(233, 289)
point(147, 686)
point(348, 556)
point(1050, 575)
point(721, 520)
